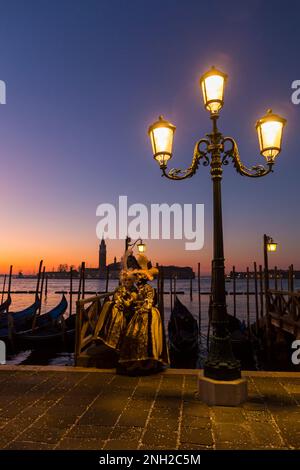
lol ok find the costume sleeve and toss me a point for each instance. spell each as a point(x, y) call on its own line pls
point(118, 297)
point(149, 297)
point(123, 298)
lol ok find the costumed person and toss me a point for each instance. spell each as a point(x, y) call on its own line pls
point(117, 313)
point(143, 348)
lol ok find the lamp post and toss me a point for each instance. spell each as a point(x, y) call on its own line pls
point(216, 150)
point(269, 246)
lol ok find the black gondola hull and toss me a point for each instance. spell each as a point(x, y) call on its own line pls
point(183, 338)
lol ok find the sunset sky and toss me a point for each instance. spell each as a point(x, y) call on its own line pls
point(84, 81)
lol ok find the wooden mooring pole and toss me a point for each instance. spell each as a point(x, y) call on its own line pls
point(261, 291)
point(175, 287)
point(256, 298)
point(234, 291)
point(42, 289)
point(158, 282)
point(38, 280)
point(37, 292)
point(80, 282)
point(9, 284)
point(291, 278)
point(161, 294)
point(83, 279)
point(199, 299)
point(107, 279)
point(248, 303)
point(71, 291)
point(191, 289)
point(3, 289)
point(171, 293)
point(210, 306)
point(267, 299)
point(275, 278)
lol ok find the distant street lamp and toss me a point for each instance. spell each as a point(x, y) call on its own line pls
point(139, 243)
point(269, 246)
point(141, 247)
point(216, 150)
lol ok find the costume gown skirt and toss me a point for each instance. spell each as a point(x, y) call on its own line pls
point(142, 347)
point(113, 325)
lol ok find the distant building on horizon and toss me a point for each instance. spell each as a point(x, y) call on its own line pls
point(180, 272)
point(102, 256)
point(280, 273)
point(113, 269)
point(103, 270)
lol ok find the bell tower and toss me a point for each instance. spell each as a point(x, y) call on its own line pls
point(102, 255)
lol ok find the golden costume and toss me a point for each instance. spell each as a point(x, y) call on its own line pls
point(131, 324)
point(115, 316)
point(142, 347)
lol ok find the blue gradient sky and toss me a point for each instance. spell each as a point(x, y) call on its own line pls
point(86, 78)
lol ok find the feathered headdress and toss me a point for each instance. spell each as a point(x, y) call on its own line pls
point(137, 266)
point(145, 268)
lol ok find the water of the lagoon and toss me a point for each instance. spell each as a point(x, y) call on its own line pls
point(20, 301)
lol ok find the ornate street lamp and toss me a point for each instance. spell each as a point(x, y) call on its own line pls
point(216, 150)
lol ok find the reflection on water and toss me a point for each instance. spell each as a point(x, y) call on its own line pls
point(20, 301)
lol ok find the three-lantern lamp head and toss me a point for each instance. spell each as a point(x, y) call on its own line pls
point(269, 128)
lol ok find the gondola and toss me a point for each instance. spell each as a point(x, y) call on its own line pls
point(18, 321)
point(57, 337)
point(183, 337)
point(242, 344)
point(47, 328)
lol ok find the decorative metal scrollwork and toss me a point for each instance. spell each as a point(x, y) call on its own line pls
point(205, 147)
point(233, 153)
point(198, 156)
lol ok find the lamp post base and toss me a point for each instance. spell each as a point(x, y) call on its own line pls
point(222, 393)
point(221, 363)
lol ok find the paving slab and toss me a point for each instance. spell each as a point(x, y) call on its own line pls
point(68, 408)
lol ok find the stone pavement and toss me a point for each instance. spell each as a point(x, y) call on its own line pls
point(66, 408)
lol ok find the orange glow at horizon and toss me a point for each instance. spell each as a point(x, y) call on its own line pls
point(25, 255)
